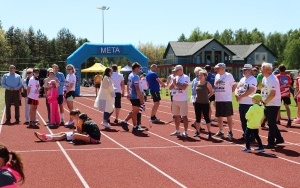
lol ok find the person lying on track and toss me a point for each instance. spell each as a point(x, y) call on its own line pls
point(87, 131)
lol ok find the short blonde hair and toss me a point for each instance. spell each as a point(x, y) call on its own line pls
point(196, 70)
point(70, 65)
point(202, 71)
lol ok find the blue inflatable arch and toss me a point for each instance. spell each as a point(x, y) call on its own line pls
point(88, 50)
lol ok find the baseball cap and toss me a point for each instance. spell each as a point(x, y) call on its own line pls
point(247, 66)
point(50, 70)
point(222, 65)
point(178, 67)
point(256, 96)
point(207, 67)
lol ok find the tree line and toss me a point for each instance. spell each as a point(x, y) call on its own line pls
point(286, 46)
point(30, 48)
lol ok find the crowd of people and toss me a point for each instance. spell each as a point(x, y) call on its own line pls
point(259, 93)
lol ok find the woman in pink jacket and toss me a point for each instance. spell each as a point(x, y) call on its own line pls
point(52, 96)
point(11, 168)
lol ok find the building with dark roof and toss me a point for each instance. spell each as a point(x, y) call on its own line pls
point(211, 51)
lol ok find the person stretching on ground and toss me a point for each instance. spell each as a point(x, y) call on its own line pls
point(87, 131)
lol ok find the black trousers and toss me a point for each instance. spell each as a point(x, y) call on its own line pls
point(12, 97)
point(250, 134)
point(271, 115)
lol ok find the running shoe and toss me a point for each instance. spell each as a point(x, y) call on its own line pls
point(106, 125)
point(297, 120)
point(154, 120)
point(259, 150)
point(229, 135)
point(137, 129)
point(184, 134)
point(41, 137)
point(124, 125)
point(246, 150)
point(289, 123)
point(196, 134)
point(219, 134)
point(209, 135)
point(176, 133)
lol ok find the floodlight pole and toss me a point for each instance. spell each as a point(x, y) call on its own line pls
point(103, 8)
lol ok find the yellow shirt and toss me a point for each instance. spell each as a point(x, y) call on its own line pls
point(254, 116)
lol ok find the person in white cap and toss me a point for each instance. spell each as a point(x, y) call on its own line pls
point(180, 100)
point(46, 88)
point(246, 87)
point(224, 86)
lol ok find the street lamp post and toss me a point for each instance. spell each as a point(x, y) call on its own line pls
point(103, 8)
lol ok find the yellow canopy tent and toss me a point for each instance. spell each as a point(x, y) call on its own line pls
point(97, 67)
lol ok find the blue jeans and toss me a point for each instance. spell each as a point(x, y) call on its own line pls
point(243, 109)
point(106, 116)
point(271, 115)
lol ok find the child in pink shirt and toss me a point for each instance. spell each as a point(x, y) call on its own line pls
point(52, 96)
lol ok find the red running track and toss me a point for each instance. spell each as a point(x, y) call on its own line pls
point(153, 159)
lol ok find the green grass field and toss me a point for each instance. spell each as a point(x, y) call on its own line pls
point(235, 104)
point(2, 101)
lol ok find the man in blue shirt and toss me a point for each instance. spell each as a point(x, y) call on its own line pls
point(61, 77)
point(136, 96)
point(154, 82)
point(12, 83)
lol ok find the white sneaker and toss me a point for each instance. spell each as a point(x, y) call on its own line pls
point(176, 133)
point(106, 125)
point(184, 134)
point(69, 123)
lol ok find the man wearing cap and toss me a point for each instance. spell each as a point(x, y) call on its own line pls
point(211, 79)
point(154, 82)
point(246, 87)
point(46, 87)
point(224, 86)
point(12, 83)
point(271, 98)
point(180, 98)
point(60, 76)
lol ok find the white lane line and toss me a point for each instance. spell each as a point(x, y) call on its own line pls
point(204, 155)
point(195, 119)
point(148, 163)
point(143, 160)
point(2, 119)
point(85, 184)
point(131, 148)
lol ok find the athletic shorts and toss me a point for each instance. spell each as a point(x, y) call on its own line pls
point(33, 102)
point(118, 100)
point(97, 85)
point(70, 96)
point(69, 136)
point(155, 96)
point(135, 102)
point(224, 109)
point(179, 108)
point(212, 98)
point(286, 100)
point(60, 99)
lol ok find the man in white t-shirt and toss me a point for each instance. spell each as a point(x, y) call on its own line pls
point(33, 92)
point(224, 86)
point(118, 81)
point(180, 100)
point(246, 87)
point(271, 98)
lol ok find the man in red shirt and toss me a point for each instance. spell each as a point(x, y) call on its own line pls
point(285, 82)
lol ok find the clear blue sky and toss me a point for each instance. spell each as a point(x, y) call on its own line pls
point(156, 21)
